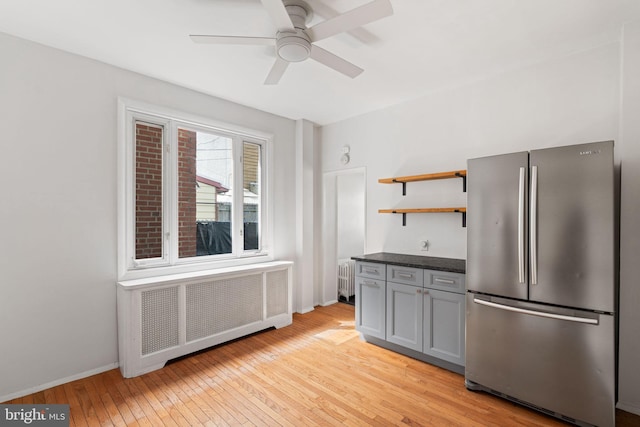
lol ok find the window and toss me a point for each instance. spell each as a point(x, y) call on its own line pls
point(192, 191)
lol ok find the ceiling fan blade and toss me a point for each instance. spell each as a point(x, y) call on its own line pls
point(278, 69)
point(267, 41)
point(332, 61)
point(278, 14)
point(327, 12)
point(350, 20)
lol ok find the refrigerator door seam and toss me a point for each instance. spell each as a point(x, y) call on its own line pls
point(537, 313)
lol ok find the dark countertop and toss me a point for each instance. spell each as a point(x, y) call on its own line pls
point(431, 263)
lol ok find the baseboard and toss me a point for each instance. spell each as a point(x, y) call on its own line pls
point(628, 407)
point(58, 382)
point(324, 304)
point(305, 310)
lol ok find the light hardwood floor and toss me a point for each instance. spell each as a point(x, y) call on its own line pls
point(316, 372)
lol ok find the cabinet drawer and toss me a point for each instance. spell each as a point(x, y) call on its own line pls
point(406, 275)
point(371, 270)
point(443, 280)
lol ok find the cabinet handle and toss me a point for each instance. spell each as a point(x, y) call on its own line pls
point(371, 271)
point(406, 275)
point(368, 283)
point(446, 281)
point(418, 291)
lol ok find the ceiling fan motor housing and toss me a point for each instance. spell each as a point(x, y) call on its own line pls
point(295, 46)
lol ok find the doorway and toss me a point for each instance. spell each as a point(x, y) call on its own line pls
point(344, 220)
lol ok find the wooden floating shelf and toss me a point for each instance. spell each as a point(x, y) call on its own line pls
point(422, 210)
point(404, 212)
point(426, 177)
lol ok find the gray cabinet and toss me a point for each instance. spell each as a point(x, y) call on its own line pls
point(404, 315)
point(370, 299)
point(444, 316)
point(412, 310)
point(444, 328)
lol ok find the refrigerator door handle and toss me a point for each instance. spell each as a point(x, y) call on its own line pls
point(537, 313)
point(533, 227)
point(521, 226)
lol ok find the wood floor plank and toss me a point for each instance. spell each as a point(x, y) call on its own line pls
point(235, 409)
point(111, 380)
point(315, 372)
point(190, 393)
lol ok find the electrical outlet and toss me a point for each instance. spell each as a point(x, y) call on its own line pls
point(424, 245)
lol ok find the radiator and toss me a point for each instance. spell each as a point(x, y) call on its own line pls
point(163, 318)
point(346, 278)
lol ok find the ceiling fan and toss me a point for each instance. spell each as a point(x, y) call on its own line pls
point(294, 41)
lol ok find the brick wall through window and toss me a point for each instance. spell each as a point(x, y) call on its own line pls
point(148, 184)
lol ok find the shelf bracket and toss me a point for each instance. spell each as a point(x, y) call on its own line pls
point(404, 186)
point(404, 217)
point(464, 181)
point(464, 218)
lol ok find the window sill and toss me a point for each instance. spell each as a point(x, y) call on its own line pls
point(169, 279)
point(195, 268)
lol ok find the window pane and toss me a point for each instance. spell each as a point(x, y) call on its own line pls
point(205, 178)
point(148, 190)
point(251, 164)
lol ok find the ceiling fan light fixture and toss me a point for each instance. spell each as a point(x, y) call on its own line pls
point(293, 47)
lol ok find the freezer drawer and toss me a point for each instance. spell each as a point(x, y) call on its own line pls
point(566, 367)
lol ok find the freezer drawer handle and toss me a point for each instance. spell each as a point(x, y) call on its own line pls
point(537, 313)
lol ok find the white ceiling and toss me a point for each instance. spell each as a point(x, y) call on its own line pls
point(425, 46)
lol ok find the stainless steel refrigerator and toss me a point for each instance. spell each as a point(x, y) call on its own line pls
point(541, 281)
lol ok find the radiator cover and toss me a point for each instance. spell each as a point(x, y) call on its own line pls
point(170, 316)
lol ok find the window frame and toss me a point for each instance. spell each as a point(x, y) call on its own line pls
point(130, 111)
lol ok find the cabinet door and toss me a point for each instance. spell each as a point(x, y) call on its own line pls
point(370, 307)
point(404, 315)
point(444, 315)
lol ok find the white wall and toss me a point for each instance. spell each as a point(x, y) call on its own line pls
point(58, 210)
point(629, 386)
point(305, 294)
point(569, 100)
